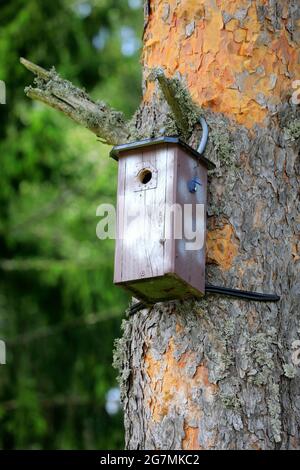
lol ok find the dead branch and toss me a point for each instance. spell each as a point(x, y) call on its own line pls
point(49, 88)
point(186, 113)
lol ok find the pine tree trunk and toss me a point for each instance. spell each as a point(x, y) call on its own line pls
point(221, 373)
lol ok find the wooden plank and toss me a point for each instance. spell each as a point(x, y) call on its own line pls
point(143, 228)
point(154, 209)
point(170, 199)
point(120, 220)
point(133, 245)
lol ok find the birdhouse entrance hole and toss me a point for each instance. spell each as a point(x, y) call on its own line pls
point(145, 176)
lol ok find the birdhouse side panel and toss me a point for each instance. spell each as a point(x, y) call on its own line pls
point(190, 249)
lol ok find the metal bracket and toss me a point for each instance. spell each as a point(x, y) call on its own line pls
point(192, 185)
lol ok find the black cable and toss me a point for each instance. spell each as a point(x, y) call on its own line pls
point(241, 294)
point(137, 307)
point(211, 289)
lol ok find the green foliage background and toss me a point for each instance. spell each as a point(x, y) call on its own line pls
point(59, 311)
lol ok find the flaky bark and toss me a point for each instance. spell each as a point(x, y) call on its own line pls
point(219, 374)
point(237, 57)
point(184, 111)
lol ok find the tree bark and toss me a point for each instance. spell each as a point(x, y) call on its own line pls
point(219, 373)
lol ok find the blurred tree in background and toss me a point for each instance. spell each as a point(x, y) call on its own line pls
point(59, 311)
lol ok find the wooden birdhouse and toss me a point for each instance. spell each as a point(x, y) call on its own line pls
point(161, 219)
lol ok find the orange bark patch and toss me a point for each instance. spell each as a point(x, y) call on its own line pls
point(226, 65)
point(190, 441)
point(170, 385)
point(221, 246)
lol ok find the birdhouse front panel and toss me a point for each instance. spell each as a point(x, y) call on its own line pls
point(145, 183)
point(156, 257)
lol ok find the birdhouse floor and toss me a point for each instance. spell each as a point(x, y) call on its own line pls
point(161, 288)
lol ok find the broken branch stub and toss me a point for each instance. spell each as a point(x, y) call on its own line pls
point(186, 113)
point(49, 88)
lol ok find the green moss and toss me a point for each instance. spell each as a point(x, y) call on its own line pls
point(223, 147)
point(190, 112)
point(230, 401)
point(52, 81)
point(119, 360)
point(108, 118)
point(104, 121)
point(289, 371)
point(161, 288)
point(186, 112)
point(274, 409)
point(293, 129)
point(261, 357)
point(229, 329)
point(168, 128)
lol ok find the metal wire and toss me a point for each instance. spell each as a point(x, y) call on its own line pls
point(204, 137)
point(242, 294)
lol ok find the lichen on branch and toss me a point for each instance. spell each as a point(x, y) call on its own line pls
point(49, 88)
point(186, 113)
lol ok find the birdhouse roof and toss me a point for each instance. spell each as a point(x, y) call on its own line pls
point(118, 149)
